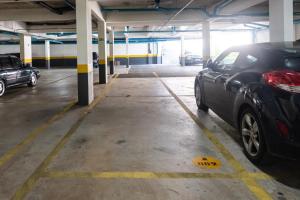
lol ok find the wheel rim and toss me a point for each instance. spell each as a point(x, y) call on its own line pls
point(33, 79)
point(250, 134)
point(2, 88)
point(198, 95)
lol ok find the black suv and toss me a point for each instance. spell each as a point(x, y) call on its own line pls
point(13, 72)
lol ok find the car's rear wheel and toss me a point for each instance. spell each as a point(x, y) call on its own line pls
point(252, 135)
point(2, 88)
point(198, 96)
point(33, 80)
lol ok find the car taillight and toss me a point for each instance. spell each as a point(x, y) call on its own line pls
point(287, 80)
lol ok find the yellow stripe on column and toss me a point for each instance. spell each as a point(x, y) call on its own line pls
point(27, 60)
point(102, 62)
point(83, 68)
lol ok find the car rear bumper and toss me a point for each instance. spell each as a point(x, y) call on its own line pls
point(281, 146)
point(286, 150)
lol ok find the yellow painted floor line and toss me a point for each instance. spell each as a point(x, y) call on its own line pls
point(254, 187)
point(33, 135)
point(31, 181)
point(135, 175)
point(150, 175)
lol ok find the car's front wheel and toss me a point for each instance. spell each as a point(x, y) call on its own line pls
point(33, 80)
point(198, 96)
point(252, 135)
point(2, 88)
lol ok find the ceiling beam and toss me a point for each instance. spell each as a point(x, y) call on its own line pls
point(230, 7)
point(48, 7)
point(34, 15)
point(96, 11)
point(153, 18)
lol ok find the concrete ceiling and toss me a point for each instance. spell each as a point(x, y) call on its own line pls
point(59, 15)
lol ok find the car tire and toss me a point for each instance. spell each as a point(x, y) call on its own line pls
point(33, 80)
point(198, 96)
point(2, 88)
point(253, 140)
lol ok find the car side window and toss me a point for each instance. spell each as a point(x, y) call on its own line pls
point(16, 63)
point(227, 62)
point(5, 62)
point(247, 60)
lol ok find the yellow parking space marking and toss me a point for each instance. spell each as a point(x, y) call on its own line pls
point(33, 135)
point(31, 181)
point(151, 175)
point(207, 162)
point(254, 187)
point(255, 175)
point(136, 175)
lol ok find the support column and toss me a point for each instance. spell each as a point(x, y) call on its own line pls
point(206, 41)
point(281, 20)
point(102, 42)
point(111, 51)
point(254, 36)
point(182, 57)
point(47, 54)
point(84, 52)
point(148, 53)
point(26, 49)
point(127, 52)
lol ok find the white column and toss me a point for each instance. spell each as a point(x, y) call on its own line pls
point(254, 36)
point(47, 54)
point(102, 46)
point(26, 49)
point(206, 41)
point(281, 20)
point(111, 51)
point(297, 31)
point(182, 56)
point(127, 51)
point(84, 52)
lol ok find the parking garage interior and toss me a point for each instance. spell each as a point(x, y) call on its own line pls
point(113, 115)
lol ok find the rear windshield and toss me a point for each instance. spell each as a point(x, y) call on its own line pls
point(292, 63)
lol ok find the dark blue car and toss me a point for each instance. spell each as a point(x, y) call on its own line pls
point(13, 72)
point(256, 88)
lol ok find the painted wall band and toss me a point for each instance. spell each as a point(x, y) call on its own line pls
point(102, 62)
point(71, 61)
point(111, 67)
point(109, 57)
point(83, 85)
point(27, 60)
point(83, 69)
point(102, 74)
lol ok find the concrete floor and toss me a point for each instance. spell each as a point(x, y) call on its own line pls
point(137, 141)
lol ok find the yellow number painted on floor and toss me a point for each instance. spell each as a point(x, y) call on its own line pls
point(207, 162)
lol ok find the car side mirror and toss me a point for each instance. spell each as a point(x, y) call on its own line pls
point(208, 64)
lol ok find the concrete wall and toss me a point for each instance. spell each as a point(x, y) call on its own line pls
point(64, 55)
point(9, 49)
